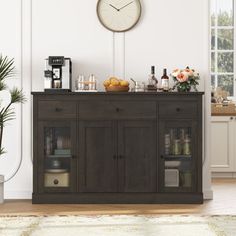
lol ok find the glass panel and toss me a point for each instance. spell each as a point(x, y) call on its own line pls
point(213, 69)
point(225, 39)
point(213, 81)
point(225, 62)
point(226, 82)
point(213, 12)
point(225, 12)
point(57, 151)
point(178, 157)
point(213, 41)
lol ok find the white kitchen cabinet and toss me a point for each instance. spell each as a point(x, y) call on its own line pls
point(223, 146)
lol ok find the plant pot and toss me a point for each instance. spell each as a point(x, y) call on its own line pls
point(1, 189)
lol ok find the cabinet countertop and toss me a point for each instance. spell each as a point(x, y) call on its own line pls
point(117, 93)
point(224, 114)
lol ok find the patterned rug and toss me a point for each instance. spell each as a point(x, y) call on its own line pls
point(118, 226)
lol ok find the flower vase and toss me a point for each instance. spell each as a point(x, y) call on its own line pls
point(184, 89)
point(1, 189)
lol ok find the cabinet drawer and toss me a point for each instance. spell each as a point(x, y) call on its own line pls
point(56, 109)
point(56, 180)
point(117, 110)
point(178, 109)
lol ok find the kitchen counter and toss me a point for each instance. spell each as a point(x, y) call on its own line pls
point(224, 114)
point(220, 110)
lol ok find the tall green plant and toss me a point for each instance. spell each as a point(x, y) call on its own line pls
point(7, 113)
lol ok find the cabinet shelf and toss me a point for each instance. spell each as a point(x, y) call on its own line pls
point(178, 157)
point(59, 156)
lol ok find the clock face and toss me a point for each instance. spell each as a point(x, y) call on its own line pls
point(119, 15)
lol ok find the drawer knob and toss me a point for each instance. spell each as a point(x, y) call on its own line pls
point(58, 109)
point(56, 181)
point(231, 118)
point(178, 109)
point(117, 109)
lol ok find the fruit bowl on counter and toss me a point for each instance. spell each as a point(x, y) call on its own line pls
point(114, 84)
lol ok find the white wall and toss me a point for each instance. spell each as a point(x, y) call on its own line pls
point(170, 34)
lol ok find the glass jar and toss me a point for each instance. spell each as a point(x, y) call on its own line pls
point(187, 147)
point(176, 147)
point(92, 82)
point(167, 144)
point(80, 83)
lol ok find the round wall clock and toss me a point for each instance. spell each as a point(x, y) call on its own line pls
point(119, 15)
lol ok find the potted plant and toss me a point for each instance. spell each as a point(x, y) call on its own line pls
point(185, 79)
point(7, 113)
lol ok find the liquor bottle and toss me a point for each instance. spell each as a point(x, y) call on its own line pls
point(165, 81)
point(152, 81)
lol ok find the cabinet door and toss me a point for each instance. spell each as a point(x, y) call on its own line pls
point(97, 155)
point(180, 156)
point(56, 158)
point(137, 146)
point(222, 144)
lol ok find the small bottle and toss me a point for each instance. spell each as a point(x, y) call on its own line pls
point(165, 81)
point(152, 81)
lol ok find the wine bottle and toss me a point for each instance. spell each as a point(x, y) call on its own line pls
point(152, 81)
point(165, 81)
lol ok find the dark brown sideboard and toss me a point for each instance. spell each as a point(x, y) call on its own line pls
point(117, 147)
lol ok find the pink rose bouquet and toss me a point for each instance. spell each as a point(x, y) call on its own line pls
point(185, 79)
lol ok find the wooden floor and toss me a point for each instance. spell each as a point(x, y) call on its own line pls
point(224, 203)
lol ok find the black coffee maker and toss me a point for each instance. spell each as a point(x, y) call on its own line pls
point(58, 74)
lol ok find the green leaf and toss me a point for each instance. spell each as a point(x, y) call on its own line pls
point(2, 151)
point(3, 86)
point(6, 115)
point(6, 68)
point(17, 96)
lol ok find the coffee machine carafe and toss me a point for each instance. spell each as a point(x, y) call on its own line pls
point(58, 74)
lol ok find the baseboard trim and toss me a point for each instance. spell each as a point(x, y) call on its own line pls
point(229, 175)
point(12, 195)
point(208, 194)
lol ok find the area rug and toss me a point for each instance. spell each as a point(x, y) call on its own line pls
point(118, 226)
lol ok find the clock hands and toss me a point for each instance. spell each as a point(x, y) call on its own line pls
point(114, 7)
point(121, 7)
point(126, 5)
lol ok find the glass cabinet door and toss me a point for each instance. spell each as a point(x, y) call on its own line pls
point(57, 156)
point(177, 156)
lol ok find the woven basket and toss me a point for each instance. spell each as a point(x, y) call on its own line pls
point(219, 108)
